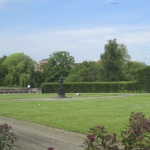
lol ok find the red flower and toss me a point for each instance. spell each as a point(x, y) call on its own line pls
point(91, 137)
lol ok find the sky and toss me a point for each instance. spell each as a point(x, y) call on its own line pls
point(39, 28)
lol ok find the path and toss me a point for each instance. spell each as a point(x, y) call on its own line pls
point(38, 137)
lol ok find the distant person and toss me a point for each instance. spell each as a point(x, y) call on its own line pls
point(28, 87)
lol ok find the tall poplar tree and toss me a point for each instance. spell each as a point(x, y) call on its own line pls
point(114, 61)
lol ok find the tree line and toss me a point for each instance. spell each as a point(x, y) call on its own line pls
point(113, 65)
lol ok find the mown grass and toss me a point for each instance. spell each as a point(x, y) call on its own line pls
point(51, 95)
point(76, 115)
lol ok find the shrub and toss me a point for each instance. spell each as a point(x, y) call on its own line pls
point(143, 78)
point(93, 87)
point(7, 138)
point(135, 137)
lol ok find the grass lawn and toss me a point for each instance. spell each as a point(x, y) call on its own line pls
point(75, 115)
point(51, 95)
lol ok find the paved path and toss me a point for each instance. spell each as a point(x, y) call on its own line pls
point(38, 137)
point(74, 98)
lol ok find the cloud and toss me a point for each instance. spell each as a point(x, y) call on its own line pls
point(3, 1)
point(83, 44)
point(6, 1)
point(88, 32)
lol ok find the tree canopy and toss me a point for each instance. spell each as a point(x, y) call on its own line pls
point(59, 63)
point(114, 61)
point(114, 65)
point(19, 68)
point(3, 71)
point(86, 71)
point(132, 68)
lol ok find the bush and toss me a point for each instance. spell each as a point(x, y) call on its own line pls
point(93, 87)
point(7, 138)
point(135, 137)
point(143, 78)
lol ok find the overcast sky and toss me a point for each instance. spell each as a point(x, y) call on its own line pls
point(82, 27)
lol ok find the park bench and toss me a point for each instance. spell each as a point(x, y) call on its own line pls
point(20, 90)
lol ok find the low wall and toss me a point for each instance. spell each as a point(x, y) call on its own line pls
point(20, 90)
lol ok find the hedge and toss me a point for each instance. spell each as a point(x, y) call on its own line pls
point(93, 87)
point(143, 78)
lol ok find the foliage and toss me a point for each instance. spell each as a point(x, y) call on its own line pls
point(132, 69)
point(83, 72)
point(59, 63)
point(143, 78)
point(38, 78)
point(93, 87)
point(7, 138)
point(49, 87)
point(20, 69)
point(114, 61)
point(136, 137)
point(3, 71)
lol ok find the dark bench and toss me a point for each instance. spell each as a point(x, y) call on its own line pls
point(20, 90)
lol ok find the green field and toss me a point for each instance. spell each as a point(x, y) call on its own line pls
point(76, 115)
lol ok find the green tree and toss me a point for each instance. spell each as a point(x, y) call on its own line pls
point(59, 63)
point(20, 68)
point(83, 72)
point(38, 78)
point(3, 71)
point(132, 69)
point(114, 61)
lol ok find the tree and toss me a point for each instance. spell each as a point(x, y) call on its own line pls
point(132, 69)
point(20, 68)
point(83, 72)
point(3, 71)
point(59, 63)
point(114, 61)
point(38, 78)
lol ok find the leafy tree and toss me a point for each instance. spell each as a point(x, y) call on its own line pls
point(3, 71)
point(114, 61)
point(38, 78)
point(59, 63)
point(20, 68)
point(132, 69)
point(83, 72)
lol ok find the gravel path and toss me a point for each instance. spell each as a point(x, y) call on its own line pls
point(72, 98)
point(38, 137)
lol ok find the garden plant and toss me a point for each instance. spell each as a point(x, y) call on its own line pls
point(7, 138)
point(135, 137)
